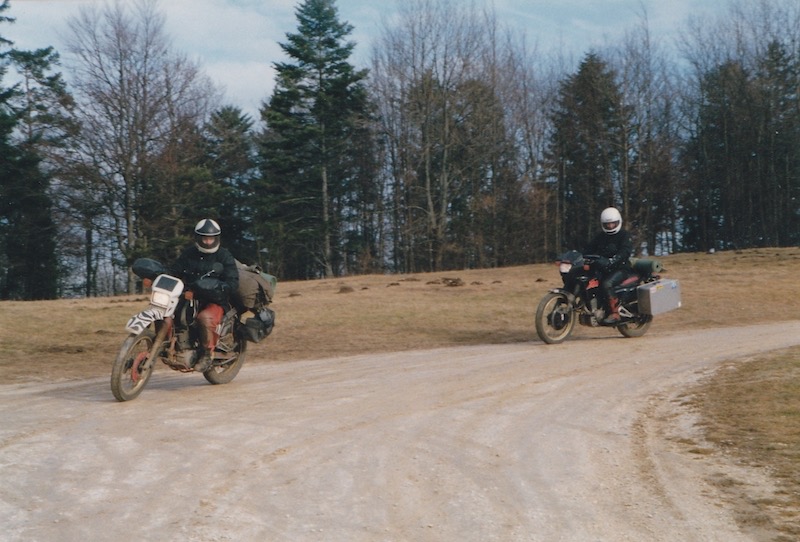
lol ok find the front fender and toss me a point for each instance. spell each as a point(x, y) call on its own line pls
point(566, 293)
point(139, 322)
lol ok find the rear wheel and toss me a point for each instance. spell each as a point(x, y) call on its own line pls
point(555, 318)
point(128, 375)
point(636, 327)
point(222, 373)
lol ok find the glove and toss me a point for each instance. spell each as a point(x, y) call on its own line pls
point(603, 262)
point(211, 290)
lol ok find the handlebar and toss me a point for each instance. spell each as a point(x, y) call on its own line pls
point(216, 269)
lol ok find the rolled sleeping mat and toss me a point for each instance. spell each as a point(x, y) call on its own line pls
point(644, 266)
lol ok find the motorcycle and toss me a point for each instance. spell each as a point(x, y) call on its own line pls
point(581, 299)
point(158, 333)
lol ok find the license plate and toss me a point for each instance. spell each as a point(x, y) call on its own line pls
point(139, 322)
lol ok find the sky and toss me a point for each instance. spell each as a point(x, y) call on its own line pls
point(236, 42)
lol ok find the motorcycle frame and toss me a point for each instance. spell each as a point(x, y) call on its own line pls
point(588, 284)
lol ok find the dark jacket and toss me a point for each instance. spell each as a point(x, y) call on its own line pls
point(193, 264)
point(618, 248)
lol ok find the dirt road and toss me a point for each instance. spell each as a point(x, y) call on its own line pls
point(583, 441)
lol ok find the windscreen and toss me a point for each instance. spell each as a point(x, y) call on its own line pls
point(167, 283)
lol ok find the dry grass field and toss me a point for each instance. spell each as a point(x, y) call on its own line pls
point(78, 338)
point(752, 409)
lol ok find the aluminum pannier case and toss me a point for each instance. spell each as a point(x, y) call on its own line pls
point(660, 296)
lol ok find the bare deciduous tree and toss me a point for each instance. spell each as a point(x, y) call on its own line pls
point(649, 192)
point(137, 104)
point(447, 80)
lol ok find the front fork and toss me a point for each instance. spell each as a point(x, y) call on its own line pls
point(158, 343)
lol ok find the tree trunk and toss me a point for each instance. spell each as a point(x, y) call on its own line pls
point(326, 225)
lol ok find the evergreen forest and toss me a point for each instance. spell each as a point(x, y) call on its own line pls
point(460, 145)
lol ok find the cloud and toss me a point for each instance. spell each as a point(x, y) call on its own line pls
point(579, 25)
point(246, 84)
point(237, 41)
point(228, 29)
point(234, 41)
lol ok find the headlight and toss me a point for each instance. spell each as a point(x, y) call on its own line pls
point(564, 267)
point(160, 299)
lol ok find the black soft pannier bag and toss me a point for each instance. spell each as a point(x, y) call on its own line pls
point(147, 268)
point(258, 327)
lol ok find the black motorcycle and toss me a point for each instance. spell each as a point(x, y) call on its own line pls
point(581, 299)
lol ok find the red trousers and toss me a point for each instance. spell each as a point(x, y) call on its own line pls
point(208, 320)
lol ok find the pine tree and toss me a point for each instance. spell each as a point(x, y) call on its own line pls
point(230, 157)
point(586, 148)
point(774, 193)
point(309, 159)
point(28, 262)
point(717, 212)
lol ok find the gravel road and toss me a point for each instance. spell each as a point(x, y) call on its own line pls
point(522, 442)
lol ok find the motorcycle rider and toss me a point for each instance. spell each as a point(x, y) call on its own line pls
point(615, 248)
point(197, 260)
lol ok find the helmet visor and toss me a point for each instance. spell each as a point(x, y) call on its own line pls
point(207, 243)
point(611, 226)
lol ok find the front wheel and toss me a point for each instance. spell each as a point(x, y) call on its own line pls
point(636, 327)
point(555, 318)
point(128, 373)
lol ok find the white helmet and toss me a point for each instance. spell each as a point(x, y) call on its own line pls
point(611, 220)
point(207, 228)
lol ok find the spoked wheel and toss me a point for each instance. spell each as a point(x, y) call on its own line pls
point(227, 371)
point(555, 318)
point(128, 375)
point(637, 327)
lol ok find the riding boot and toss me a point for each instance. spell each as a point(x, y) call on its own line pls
point(613, 314)
point(203, 354)
point(204, 360)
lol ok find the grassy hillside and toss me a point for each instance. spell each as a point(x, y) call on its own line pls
point(75, 338)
